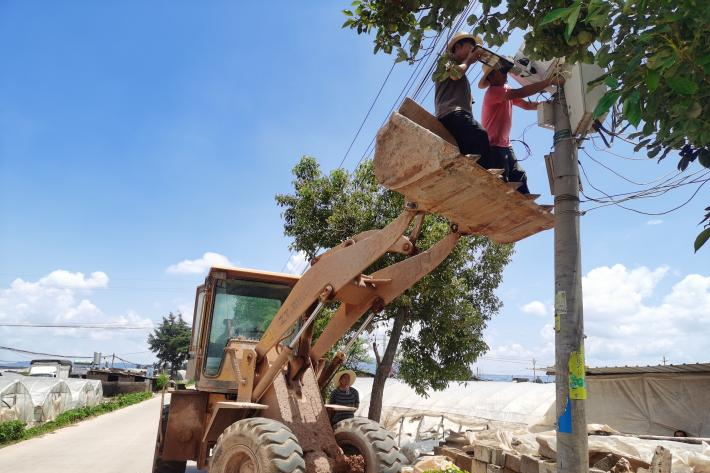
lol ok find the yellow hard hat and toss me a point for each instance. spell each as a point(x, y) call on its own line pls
point(340, 374)
point(462, 35)
point(483, 83)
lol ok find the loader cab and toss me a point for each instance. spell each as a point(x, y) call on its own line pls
point(232, 303)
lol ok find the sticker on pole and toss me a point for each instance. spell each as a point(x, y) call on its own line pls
point(557, 322)
point(561, 303)
point(577, 383)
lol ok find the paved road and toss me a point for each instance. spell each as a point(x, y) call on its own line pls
point(118, 442)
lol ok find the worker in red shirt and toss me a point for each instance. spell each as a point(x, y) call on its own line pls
point(497, 117)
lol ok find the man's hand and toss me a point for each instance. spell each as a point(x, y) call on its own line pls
point(473, 56)
point(556, 79)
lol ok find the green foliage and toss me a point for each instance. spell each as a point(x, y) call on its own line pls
point(704, 236)
point(170, 341)
point(446, 311)
point(11, 430)
point(15, 430)
point(656, 54)
point(161, 381)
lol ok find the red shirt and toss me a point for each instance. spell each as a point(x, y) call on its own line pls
point(497, 115)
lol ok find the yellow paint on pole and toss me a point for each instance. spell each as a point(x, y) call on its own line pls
point(577, 382)
point(557, 322)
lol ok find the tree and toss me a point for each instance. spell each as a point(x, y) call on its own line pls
point(656, 54)
point(440, 320)
point(171, 341)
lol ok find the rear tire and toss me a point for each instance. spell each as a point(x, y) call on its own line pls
point(160, 465)
point(257, 445)
point(360, 435)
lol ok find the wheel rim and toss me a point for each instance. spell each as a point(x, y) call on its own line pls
point(351, 449)
point(242, 460)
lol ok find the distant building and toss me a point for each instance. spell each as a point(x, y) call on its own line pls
point(51, 368)
point(115, 381)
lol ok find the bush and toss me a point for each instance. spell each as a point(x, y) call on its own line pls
point(11, 430)
point(162, 381)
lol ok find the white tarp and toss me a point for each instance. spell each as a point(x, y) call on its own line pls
point(50, 397)
point(462, 405)
point(687, 458)
point(654, 404)
point(15, 401)
point(85, 392)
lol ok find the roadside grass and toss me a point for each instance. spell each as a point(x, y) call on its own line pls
point(15, 431)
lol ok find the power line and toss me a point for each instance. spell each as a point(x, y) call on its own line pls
point(81, 326)
point(27, 352)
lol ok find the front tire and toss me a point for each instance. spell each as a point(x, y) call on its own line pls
point(368, 438)
point(257, 445)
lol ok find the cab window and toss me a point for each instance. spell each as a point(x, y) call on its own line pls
point(241, 309)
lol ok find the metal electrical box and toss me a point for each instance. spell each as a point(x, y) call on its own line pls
point(581, 101)
point(527, 71)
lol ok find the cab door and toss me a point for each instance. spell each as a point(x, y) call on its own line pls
point(194, 352)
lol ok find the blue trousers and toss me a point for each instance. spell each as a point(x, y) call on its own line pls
point(513, 171)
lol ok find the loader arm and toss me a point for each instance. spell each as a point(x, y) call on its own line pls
point(331, 274)
point(402, 276)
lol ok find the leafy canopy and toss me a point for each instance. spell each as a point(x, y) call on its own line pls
point(446, 311)
point(656, 54)
point(171, 341)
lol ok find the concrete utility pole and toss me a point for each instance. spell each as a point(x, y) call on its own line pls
point(571, 392)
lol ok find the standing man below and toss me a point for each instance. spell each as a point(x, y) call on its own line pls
point(345, 395)
point(453, 101)
point(497, 117)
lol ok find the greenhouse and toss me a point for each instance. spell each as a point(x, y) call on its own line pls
point(15, 401)
point(50, 396)
point(84, 392)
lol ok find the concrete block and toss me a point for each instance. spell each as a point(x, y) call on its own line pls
point(497, 456)
point(464, 461)
point(529, 464)
point(482, 453)
point(493, 468)
point(512, 462)
point(547, 467)
point(661, 461)
point(478, 467)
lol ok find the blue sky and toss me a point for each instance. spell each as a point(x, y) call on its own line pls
point(137, 136)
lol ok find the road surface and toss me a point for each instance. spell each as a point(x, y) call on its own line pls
point(118, 442)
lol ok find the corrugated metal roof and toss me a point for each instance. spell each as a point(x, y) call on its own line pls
point(676, 369)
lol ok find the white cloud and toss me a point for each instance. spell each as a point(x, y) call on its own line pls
point(297, 263)
point(63, 297)
point(656, 221)
point(65, 279)
point(630, 319)
point(535, 308)
point(200, 265)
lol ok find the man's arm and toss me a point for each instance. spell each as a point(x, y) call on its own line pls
point(533, 89)
point(473, 56)
point(526, 104)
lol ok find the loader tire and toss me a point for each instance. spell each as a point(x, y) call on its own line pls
point(257, 445)
point(360, 435)
point(160, 465)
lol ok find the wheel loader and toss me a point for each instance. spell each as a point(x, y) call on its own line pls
point(257, 404)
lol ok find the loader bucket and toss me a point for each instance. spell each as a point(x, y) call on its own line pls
point(417, 157)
